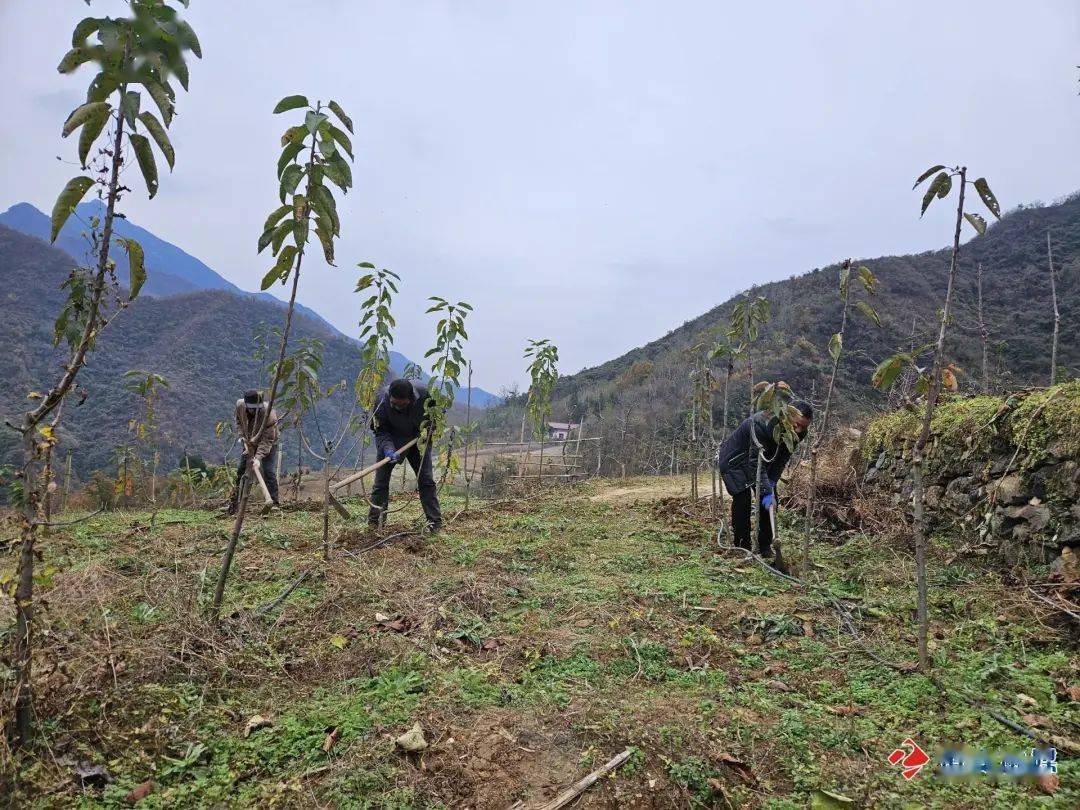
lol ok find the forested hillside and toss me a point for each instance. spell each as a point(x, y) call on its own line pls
point(201, 342)
point(646, 389)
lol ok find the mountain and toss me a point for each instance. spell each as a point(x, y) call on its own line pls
point(172, 271)
point(642, 395)
point(200, 341)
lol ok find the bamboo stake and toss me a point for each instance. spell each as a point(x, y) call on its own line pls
point(370, 469)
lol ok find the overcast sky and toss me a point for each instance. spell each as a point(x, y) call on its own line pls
point(596, 173)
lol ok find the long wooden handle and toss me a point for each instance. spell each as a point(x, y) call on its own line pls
point(257, 467)
point(356, 476)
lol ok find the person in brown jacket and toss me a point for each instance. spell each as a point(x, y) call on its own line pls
point(251, 414)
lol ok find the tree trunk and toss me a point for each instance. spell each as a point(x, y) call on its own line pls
point(67, 484)
point(1057, 315)
point(22, 657)
point(984, 335)
point(924, 435)
point(468, 435)
point(326, 509)
point(820, 434)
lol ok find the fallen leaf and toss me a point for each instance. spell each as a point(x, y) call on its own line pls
point(397, 625)
point(1036, 720)
point(844, 711)
point(331, 738)
point(1048, 783)
point(808, 629)
point(741, 769)
point(783, 687)
point(412, 740)
point(140, 792)
point(1026, 700)
point(340, 642)
point(95, 775)
point(255, 722)
point(827, 800)
point(1073, 693)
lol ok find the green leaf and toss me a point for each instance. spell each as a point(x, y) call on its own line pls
point(939, 188)
point(988, 198)
point(103, 86)
point(83, 30)
point(327, 148)
point(977, 222)
point(888, 370)
point(78, 56)
point(188, 37)
point(145, 155)
point(868, 311)
point(264, 239)
point(293, 135)
point(926, 174)
point(339, 172)
point(281, 269)
point(180, 70)
point(341, 139)
point(845, 276)
point(71, 196)
point(137, 269)
point(300, 220)
point(129, 107)
point(275, 216)
point(290, 103)
point(836, 344)
point(290, 179)
point(335, 108)
point(322, 230)
point(160, 136)
point(86, 112)
point(868, 279)
point(288, 155)
point(281, 232)
point(162, 99)
point(91, 129)
point(827, 800)
point(312, 121)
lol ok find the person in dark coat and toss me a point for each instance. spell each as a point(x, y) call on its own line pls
point(395, 422)
point(737, 462)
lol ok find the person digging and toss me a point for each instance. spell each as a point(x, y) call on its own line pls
point(397, 420)
point(737, 462)
point(251, 415)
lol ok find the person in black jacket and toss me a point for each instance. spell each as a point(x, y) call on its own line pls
point(737, 461)
point(395, 422)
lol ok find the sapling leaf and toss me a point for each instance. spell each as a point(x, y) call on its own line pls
point(160, 136)
point(335, 108)
point(988, 198)
point(288, 155)
point(136, 266)
point(926, 174)
point(977, 222)
point(145, 156)
point(888, 370)
point(91, 129)
point(939, 188)
point(836, 345)
point(868, 311)
point(291, 103)
point(71, 196)
point(83, 113)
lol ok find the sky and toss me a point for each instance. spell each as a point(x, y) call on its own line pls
point(595, 173)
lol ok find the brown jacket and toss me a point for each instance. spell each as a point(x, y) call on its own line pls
point(248, 428)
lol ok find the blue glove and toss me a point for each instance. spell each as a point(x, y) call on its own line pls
point(768, 500)
point(393, 456)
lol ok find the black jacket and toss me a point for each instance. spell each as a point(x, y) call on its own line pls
point(395, 428)
point(737, 459)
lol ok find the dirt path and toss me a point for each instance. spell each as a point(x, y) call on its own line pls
point(644, 489)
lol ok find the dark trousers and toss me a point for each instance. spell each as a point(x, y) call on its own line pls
point(269, 473)
point(425, 484)
point(740, 523)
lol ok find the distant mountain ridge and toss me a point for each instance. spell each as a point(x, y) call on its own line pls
point(171, 270)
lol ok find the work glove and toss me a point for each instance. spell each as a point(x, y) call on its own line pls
point(393, 456)
point(769, 500)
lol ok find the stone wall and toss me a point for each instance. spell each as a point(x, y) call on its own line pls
point(1004, 470)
